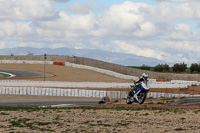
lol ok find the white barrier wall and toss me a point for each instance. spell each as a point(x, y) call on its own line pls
point(54, 92)
point(108, 72)
point(25, 62)
point(78, 92)
point(29, 83)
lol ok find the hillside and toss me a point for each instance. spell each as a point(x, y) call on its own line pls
point(107, 56)
point(108, 66)
point(63, 73)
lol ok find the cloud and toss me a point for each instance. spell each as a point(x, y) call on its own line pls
point(177, 0)
point(82, 8)
point(122, 17)
point(140, 51)
point(146, 29)
point(167, 51)
point(27, 10)
point(157, 31)
point(61, 0)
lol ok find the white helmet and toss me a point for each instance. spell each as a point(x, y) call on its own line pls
point(145, 76)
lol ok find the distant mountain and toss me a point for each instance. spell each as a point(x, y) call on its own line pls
point(114, 57)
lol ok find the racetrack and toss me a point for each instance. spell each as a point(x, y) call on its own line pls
point(17, 100)
point(47, 103)
point(25, 74)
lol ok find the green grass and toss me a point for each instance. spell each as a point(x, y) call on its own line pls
point(24, 122)
point(3, 113)
point(20, 108)
point(37, 108)
point(152, 69)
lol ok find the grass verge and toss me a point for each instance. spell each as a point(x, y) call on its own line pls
point(37, 108)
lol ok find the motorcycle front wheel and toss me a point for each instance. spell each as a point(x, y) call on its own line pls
point(128, 99)
point(142, 97)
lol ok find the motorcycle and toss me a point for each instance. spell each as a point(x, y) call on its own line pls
point(104, 100)
point(139, 94)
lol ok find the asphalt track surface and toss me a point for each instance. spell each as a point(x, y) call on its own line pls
point(47, 103)
point(25, 74)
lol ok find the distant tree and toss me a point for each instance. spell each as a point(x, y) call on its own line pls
point(158, 68)
point(176, 67)
point(161, 68)
point(179, 67)
point(11, 54)
point(166, 67)
point(195, 67)
point(145, 67)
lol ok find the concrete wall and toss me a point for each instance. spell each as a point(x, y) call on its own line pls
point(108, 66)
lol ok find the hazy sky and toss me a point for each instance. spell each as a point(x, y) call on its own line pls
point(164, 29)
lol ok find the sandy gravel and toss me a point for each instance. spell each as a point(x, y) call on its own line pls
point(101, 120)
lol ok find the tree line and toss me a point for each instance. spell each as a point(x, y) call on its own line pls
point(178, 67)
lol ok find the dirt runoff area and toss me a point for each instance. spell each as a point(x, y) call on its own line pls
point(100, 120)
point(152, 116)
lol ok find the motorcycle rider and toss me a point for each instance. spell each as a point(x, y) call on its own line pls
point(143, 78)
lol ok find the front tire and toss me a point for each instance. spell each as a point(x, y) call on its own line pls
point(128, 99)
point(142, 97)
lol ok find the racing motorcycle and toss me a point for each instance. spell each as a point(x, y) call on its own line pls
point(139, 94)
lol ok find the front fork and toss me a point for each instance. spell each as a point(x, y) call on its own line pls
point(135, 95)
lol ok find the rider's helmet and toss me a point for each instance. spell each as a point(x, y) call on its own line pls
point(145, 76)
